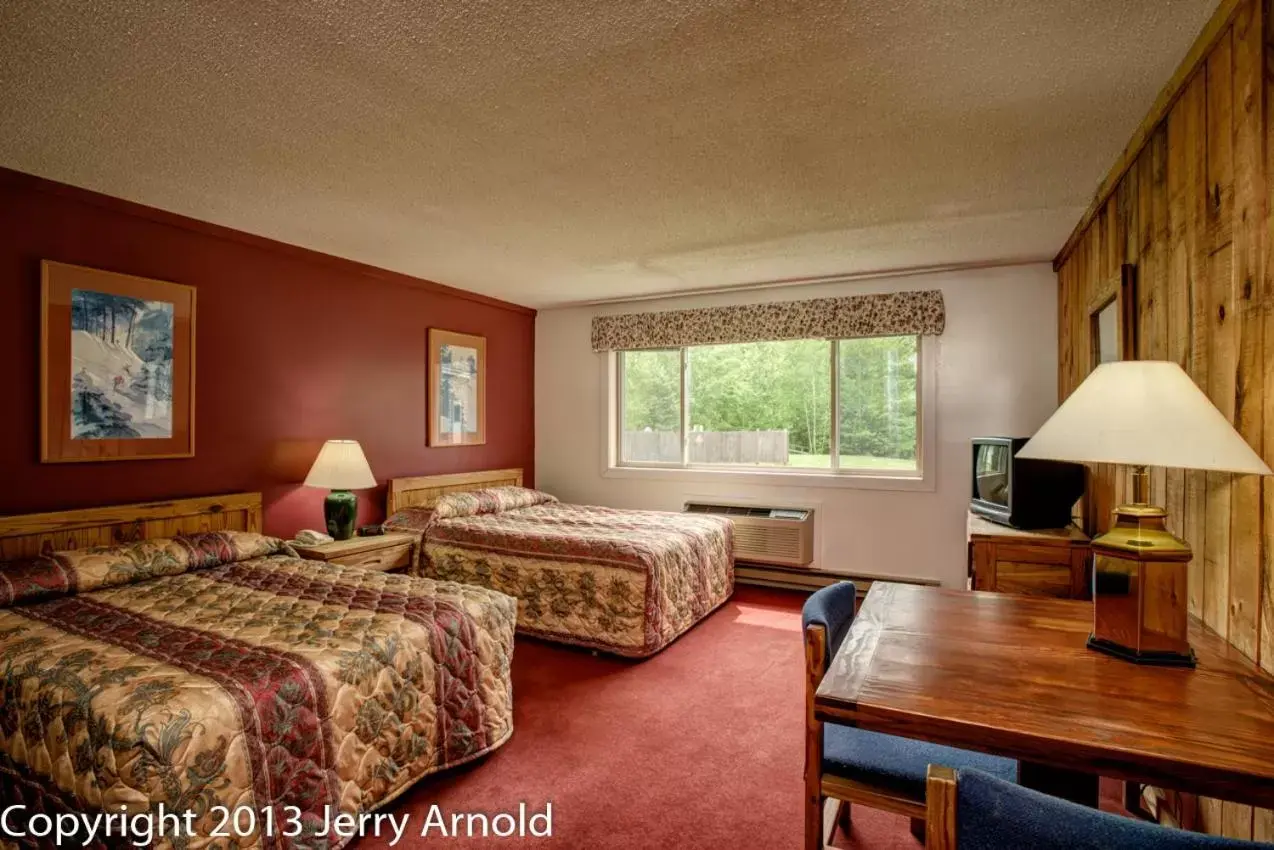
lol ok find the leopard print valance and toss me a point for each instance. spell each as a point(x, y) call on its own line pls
point(883, 314)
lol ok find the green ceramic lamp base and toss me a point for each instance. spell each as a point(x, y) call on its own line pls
point(340, 509)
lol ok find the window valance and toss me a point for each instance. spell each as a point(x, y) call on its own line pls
point(848, 317)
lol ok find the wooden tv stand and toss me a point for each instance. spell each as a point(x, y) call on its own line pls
point(1042, 562)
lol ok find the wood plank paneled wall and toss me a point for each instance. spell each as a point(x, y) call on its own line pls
point(1189, 206)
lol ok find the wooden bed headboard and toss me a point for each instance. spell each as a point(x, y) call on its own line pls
point(26, 535)
point(423, 491)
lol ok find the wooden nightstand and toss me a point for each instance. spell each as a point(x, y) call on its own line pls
point(386, 552)
point(1045, 562)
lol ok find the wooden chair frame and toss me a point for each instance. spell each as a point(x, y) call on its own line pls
point(820, 787)
point(940, 807)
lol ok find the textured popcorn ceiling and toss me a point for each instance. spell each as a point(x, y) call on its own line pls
point(547, 152)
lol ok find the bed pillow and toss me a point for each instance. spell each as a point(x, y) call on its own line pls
point(493, 500)
point(82, 570)
point(471, 503)
point(410, 519)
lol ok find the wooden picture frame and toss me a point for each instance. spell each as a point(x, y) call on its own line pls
point(1112, 320)
point(117, 366)
point(457, 389)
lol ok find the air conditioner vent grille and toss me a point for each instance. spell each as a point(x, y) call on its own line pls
point(794, 514)
point(767, 535)
point(778, 542)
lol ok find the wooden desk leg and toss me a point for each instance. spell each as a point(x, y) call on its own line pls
point(1074, 785)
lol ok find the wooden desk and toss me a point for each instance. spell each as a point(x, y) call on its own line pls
point(1010, 675)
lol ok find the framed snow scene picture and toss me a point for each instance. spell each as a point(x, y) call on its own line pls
point(117, 366)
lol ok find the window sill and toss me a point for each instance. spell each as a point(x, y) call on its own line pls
point(841, 480)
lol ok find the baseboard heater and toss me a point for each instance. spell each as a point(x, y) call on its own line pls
point(810, 579)
point(766, 535)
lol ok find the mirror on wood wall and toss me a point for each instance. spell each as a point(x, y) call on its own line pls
point(1113, 320)
point(1105, 333)
point(1112, 335)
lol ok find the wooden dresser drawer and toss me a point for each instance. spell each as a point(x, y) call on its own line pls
point(1047, 562)
point(1033, 579)
point(390, 551)
point(390, 558)
point(1025, 554)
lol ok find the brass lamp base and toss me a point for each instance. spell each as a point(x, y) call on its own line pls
point(1151, 659)
point(1140, 587)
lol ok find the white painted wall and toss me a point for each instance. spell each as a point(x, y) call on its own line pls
point(996, 375)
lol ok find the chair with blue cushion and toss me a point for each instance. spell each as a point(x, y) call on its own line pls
point(972, 810)
point(853, 765)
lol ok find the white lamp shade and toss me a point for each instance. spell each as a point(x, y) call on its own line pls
point(341, 465)
point(1143, 412)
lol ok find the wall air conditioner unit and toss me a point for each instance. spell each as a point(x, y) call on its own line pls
point(782, 536)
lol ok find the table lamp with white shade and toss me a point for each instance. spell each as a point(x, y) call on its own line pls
point(1142, 413)
point(341, 467)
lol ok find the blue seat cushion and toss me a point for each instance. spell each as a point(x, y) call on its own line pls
point(991, 815)
point(899, 764)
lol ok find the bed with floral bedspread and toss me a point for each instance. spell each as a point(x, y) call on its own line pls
point(219, 670)
point(627, 582)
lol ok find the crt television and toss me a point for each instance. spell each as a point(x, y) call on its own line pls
point(1019, 492)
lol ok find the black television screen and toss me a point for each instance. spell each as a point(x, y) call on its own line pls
point(991, 473)
point(1021, 492)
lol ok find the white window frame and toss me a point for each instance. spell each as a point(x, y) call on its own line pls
point(617, 415)
point(923, 478)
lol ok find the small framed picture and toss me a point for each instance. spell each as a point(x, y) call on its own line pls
point(117, 366)
point(457, 389)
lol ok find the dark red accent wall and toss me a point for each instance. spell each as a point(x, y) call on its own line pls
point(293, 348)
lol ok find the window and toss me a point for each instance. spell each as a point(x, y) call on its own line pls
point(878, 403)
point(810, 404)
point(652, 406)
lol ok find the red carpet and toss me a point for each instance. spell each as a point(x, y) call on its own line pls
point(699, 746)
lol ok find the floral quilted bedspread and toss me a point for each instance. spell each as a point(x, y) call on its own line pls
point(218, 672)
point(627, 582)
